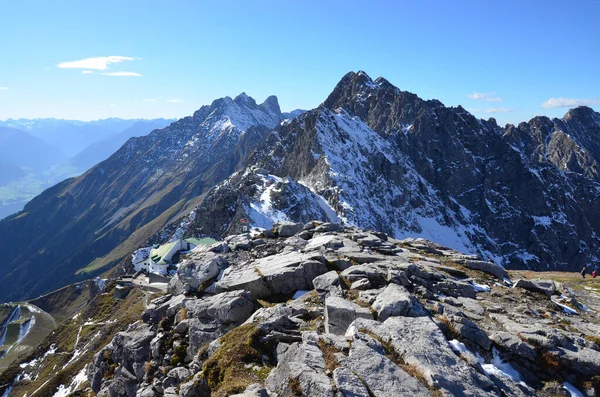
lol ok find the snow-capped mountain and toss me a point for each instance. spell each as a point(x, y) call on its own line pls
point(371, 155)
point(387, 160)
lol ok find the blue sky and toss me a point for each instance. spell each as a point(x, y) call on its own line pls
point(510, 60)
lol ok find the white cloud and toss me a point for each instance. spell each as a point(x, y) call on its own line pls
point(122, 74)
point(87, 71)
point(568, 102)
point(97, 63)
point(487, 97)
point(112, 105)
point(491, 110)
point(498, 110)
point(149, 100)
point(3, 88)
point(174, 100)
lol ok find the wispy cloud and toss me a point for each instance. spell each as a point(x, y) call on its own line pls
point(97, 63)
point(122, 74)
point(3, 88)
point(87, 72)
point(174, 100)
point(486, 97)
point(569, 102)
point(149, 100)
point(498, 110)
point(112, 105)
point(491, 110)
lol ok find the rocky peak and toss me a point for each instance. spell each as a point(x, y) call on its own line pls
point(584, 115)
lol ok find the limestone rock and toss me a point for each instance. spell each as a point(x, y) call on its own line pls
point(340, 313)
point(395, 300)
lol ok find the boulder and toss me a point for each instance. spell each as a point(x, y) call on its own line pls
point(327, 227)
point(210, 318)
point(323, 241)
point(281, 274)
point(287, 229)
point(547, 287)
point(239, 242)
point(395, 300)
point(129, 350)
point(494, 269)
point(175, 377)
point(326, 280)
point(340, 313)
point(197, 272)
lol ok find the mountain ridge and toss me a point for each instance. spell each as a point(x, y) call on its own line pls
point(469, 183)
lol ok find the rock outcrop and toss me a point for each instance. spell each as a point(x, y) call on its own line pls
point(279, 322)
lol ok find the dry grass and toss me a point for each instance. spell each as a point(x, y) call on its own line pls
point(549, 361)
point(226, 371)
point(329, 352)
point(448, 327)
point(182, 314)
point(295, 388)
point(593, 339)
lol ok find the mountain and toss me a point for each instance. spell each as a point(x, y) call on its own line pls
point(315, 309)
point(101, 150)
point(387, 160)
point(128, 197)
point(36, 164)
point(371, 155)
point(23, 150)
point(71, 136)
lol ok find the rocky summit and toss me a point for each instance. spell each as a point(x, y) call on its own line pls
point(325, 309)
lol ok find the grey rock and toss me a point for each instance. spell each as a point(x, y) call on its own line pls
point(220, 247)
point(323, 241)
point(287, 229)
point(340, 313)
point(485, 266)
point(379, 374)
point(361, 284)
point(421, 343)
point(278, 274)
point(162, 308)
point(304, 363)
point(348, 384)
point(547, 287)
point(130, 350)
point(212, 317)
point(146, 392)
point(197, 272)
point(395, 300)
point(175, 376)
point(239, 242)
point(326, 280)
point(327, 227)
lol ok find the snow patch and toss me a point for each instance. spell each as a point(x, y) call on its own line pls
point(502, 369)
point(480, 287)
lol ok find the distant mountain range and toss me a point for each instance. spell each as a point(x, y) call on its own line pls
point(371, 155)
point(38, 153)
